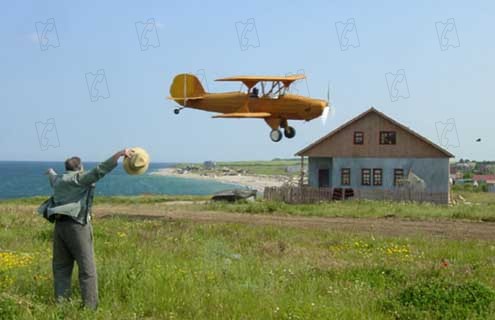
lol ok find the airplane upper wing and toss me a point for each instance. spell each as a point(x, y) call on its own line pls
point(250, 81)
point(264, 78)
point(256, 115)
point(187, 98)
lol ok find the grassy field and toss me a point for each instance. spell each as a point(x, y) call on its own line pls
point(167, 269)
point(479, 206)
point(273, 167)
point(481, 209)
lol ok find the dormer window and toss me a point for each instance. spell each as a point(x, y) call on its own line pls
point(387, 137)
point(358, 137)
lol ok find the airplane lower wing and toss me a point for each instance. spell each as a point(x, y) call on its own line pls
point(255, 115)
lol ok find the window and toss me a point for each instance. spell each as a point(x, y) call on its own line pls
point(345, 176)
point(398, 174)
point(387, 137)
point(377, 177)
point(366, 177)
point(358, 137)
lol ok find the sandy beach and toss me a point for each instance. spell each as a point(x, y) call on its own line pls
point(256, 182)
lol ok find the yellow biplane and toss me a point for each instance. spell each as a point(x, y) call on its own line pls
point(267, 98)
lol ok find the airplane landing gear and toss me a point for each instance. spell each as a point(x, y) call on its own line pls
point(277, 124)
point(276, 135)
point(289, 132)
point(177, 110)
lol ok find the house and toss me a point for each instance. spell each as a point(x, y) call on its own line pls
point(487, 179)
point(483, 178)
point(372, 156)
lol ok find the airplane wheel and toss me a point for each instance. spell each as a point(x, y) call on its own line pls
point(290, 132)
point(177, 111)
point(276, 135)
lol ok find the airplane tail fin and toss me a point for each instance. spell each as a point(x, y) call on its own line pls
point(186, 86)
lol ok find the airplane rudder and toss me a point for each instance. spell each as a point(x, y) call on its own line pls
point(186, 84)
point(195, 84)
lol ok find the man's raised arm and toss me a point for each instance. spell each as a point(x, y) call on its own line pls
point(93, 175)
point(52, 176)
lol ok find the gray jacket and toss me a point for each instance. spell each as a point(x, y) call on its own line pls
point(73, 191)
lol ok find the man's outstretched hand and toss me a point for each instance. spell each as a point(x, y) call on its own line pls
point(126, 153)
point(50, 172)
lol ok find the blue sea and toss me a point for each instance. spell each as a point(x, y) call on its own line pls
point(26, 178)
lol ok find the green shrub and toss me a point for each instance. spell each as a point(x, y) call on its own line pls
point(437, 298)
point(8, 308)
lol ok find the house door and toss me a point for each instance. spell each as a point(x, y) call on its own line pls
point(323, 178)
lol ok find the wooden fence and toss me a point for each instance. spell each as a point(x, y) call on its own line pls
point(308, 194)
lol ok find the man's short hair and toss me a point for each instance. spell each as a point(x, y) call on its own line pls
point(73, 164)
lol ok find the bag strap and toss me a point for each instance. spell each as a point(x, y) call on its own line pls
point(89, 202)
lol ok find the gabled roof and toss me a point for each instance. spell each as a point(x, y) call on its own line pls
point(382, 115)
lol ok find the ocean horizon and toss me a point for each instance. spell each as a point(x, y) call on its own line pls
point(19, 179)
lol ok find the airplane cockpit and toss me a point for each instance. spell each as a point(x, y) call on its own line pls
point(269, 90)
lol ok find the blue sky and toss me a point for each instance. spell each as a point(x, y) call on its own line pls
point(429, 65)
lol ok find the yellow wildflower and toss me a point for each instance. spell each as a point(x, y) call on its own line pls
point(11, 260)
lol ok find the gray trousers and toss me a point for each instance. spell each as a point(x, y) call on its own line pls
point(74, 242)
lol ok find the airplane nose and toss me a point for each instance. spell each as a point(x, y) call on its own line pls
point(322, 104)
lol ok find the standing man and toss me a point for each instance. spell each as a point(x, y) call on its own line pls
point(73, 235)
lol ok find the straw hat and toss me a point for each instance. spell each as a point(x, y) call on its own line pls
point(137, 163)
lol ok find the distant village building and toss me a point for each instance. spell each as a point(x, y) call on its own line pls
point(464, 181)
point(208, 165)
point(483, 178)
point(373, 156)
point(292, 169)
point(463, 167)
point(488, 179)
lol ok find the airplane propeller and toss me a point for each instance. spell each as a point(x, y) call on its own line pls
point(324, 115)
point(326, 110)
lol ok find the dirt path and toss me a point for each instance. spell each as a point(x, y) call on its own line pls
point(451, 229)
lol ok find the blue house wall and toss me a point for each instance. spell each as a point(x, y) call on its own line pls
point(434, 171)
